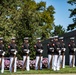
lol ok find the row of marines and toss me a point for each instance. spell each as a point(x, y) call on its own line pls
point(56, 54)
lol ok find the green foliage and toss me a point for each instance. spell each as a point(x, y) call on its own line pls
point(58, 30)
point(64, 71)
point(21, 18)
point(72, 15)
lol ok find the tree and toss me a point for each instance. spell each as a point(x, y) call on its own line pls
point(37, 21)
point(72, 15)
point(58, 30)
point(21, 18)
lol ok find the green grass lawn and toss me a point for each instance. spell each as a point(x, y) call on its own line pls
point(44, 71)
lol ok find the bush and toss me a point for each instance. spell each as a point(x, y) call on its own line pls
point(32, 63)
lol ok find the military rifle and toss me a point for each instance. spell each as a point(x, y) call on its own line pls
point(13, 63)
point(39, 59)
point(13, 60)
point(62, 57)
point(1, 60)
point(24, 65)
point(39, 62)
point(51, 60)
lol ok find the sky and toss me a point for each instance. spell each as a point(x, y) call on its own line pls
point(62, 14)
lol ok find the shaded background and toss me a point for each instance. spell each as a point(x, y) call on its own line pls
point(66, 40)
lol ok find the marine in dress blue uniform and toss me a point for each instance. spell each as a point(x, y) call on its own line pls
point(50, 49)
point(39, 50)
point(26, 51)
point(72, 49)
point(63, 49)
point(57, 53)
point(12, 47)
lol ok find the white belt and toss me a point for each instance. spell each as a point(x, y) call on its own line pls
point(39, 49)
point(25, 49)
point(0, 50)
point(58, 48)
point(13, 49)
point(74, 49)
point(51, 48)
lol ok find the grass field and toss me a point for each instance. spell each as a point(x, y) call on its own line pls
point(44, 71)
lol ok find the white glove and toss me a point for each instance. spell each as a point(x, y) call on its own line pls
point(52, 50)
point(3, 53)
point(41, 51)
point(74, 49)
point(59, 52)
point(27, 51)
point(15, 52)
point(63, 49)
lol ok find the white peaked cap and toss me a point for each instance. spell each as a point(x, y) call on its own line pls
point(61, 38)
point(51, 37)
point(1, 38)
point(55, 36)
point(72, 38)
point(13, 38)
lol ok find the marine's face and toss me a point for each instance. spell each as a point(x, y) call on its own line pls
point(26, 41)
point(61, 40)
point(39, 40)
point(1, 41)
point(51, 39)
point(56, 39)
point(13, 41)
point(72, 40)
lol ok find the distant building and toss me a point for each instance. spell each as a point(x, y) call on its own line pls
point(66, 40)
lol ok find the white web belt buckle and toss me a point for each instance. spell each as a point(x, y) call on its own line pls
point(12, 49)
